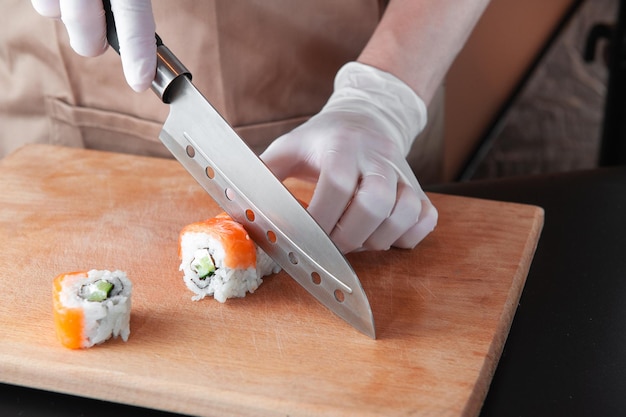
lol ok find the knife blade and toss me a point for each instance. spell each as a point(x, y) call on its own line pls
point(236, 178)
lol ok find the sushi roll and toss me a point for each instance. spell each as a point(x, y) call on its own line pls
point(91, 307)
point(218, 258)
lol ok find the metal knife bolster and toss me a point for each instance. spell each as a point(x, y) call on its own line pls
point(168, 69)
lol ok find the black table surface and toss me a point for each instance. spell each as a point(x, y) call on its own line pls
point(566, 351)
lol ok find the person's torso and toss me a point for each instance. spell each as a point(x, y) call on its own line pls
point(265, 65)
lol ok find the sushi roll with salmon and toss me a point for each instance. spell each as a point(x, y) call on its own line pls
point(91, 307)
point(218, 258)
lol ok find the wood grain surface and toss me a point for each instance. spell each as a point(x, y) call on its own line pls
point(442, 310)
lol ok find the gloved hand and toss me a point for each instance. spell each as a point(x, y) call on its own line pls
point(366, 197)
point(86, 26)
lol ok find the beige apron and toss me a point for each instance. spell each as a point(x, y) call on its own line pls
point(266, 65)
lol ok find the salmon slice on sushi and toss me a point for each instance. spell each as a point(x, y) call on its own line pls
point(218, 258)
point(90, 307)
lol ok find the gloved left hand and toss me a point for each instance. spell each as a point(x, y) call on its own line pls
point(366, 197)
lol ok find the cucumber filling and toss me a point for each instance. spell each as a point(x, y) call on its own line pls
point(97, 291)
point(203, 264)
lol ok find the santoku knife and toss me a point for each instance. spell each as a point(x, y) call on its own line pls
point(223, 164)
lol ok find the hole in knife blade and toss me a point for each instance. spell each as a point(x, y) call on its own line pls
point(271, 236)
point(210, 172)
point(191, 152)
point(230, 194)
point(250, 215)
point(339, 296)
point(293, 258)
point(316, 278)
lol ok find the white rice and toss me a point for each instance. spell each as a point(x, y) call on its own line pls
point(225, 283)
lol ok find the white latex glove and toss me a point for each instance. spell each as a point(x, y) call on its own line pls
point(86, 26)
point(366, 197)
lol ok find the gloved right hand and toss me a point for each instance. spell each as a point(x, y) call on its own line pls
point(86, 26)
point(366, 196)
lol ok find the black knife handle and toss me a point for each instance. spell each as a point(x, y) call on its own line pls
point(169, 68)
point(112, 29)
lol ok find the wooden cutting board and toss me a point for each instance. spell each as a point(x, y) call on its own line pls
point(442, 310)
